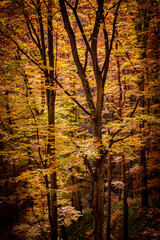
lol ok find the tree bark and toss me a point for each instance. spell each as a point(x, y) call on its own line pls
point(144, 191)
point(125, 204)
point(51, 129)
point(98, 201)
point(141, 27)
point(109, 196)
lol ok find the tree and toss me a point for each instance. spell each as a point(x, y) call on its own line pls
point(143, 17)
point(37, 30)
point(95, 109)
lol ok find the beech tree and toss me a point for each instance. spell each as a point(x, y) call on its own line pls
point(100, 76)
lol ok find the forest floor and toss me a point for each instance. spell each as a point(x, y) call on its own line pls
point(143, 225)
point(149, 225)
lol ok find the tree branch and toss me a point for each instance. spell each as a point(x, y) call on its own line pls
point(76, 5)
point(120, 129)
point(131, 114)
point(31, 28)
point(21, 50)
point(120, 139)
point(3, 125)
point(86, 59)
point(98, 20)
point(110, 9)
point(87, 163)
point(106, 62)
point(80, 69)
point(79, 25)
point(114, 26)
point(68, 94)
point(37, 133)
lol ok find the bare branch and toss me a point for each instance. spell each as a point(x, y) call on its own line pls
point(110, 9)
point(21, 50)
point(29, 23)
point(76, 58)
point(114, 26)
point(3, 125)
point(120, 139)
point(118, 131)
point(112, 104)
point(112, 141)
point(131, 114)
point(79, 25)
point(68, 94)
point(86, 58)
point(106, 62)
point(37, 133)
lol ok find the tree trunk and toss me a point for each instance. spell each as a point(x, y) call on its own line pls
point(109, 196)
point(76, 194)
point(125, 204)
point(51, 96)
point(144, 191)
point(130, 180)
point(142, 155)
point(64, 232)
point(141, 26)
point(98, 201)
point(120, 190)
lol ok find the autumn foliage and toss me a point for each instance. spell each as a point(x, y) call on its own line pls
point(79, 119)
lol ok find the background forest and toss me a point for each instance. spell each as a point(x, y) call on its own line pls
point(79, 119)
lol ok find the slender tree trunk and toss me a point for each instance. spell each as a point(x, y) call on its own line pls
point(143, 163)
point(42, 96)
point(141, 26)
point(125, 204)
point(120, 190)
point(76, 195)
point(130, 180)
point(109, 196)
point(51, 129)
point(144, 191)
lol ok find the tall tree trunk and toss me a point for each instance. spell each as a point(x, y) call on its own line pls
point(125, 204)
point(109, 196)
point(51, 128)
point(76, 194)
point(130, 191)
point(143, 163)
point(144, 190)
point(120, 190)
point(141, 27)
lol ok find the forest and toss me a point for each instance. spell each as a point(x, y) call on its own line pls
point(79, 120)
